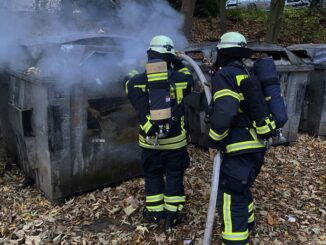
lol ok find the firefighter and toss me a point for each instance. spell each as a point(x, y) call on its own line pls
point(163, 142)
point(233, 133)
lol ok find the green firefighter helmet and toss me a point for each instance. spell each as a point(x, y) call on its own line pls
point(162, 44)
point(232, 40)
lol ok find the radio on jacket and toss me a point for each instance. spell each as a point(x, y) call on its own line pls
point(159, 95)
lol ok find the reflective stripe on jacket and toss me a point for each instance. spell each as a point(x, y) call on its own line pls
point(180, 86)
point(231, 128)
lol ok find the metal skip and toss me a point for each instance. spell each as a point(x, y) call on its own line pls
point(217, 159)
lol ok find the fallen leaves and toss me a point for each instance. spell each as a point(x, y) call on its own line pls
point(129, 210)
point(57, 239)
point(292, 219)
point(272, 219)
point(289, 193)
point(142, 229)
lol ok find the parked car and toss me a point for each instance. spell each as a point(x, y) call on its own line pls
point(264, 4)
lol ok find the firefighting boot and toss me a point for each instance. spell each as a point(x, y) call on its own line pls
point(152, 217)
point(172, 219)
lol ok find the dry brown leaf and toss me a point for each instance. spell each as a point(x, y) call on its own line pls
point(281, 190)
point(142, 229)
point(129, 210)
point(272, 220)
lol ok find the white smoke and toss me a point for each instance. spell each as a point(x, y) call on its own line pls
point(142, 22)
point(43, 38)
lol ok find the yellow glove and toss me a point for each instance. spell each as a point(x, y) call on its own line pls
point(212, 153)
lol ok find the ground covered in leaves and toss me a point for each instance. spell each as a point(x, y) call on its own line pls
point(290, 196)
point(296, 30)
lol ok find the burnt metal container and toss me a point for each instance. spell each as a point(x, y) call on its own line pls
point(293, 74)
point(70, 136)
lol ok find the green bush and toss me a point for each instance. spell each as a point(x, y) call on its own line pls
point(238, 14)
point(302, 24)
point(298, 24)
point(257, 16)
point(235, 14)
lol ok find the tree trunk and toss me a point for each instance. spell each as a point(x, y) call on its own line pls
point(222, 15)
point(274, 21)
point(187, 9)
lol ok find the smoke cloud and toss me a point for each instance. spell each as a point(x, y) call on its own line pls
point(50, 35)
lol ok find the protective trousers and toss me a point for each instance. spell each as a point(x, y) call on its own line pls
point(235, 202)
point(165, 195)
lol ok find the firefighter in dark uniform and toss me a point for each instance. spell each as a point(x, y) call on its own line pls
point(234, 134)
point(165, 155)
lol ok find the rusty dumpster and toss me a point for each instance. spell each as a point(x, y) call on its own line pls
point(70, 134)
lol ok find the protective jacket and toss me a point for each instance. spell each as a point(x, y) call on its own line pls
point(232, 130)
point(180, 85)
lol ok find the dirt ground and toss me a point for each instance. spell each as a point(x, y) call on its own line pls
point(290, 196)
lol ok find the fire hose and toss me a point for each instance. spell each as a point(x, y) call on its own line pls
point(217, 159)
